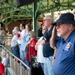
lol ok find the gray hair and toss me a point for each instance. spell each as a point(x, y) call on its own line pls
point(3, 52)
point(48, 16)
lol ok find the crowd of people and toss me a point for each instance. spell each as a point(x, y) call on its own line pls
point(55, 49)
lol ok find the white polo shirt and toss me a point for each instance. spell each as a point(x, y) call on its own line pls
point(14, 40)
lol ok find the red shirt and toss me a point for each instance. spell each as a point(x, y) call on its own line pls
point(18, 35)
point(1, 68)
point(31, 49)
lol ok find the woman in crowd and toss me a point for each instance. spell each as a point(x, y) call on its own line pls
point(31, 47)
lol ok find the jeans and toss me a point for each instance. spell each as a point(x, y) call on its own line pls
point(48, 69)
point(15, 51)
point(42, 66)
point(23, 57)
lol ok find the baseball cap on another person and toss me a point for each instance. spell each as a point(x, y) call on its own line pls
point(1, 69)
point(65, 18)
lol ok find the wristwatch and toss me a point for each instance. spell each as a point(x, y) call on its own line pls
point(53, 57)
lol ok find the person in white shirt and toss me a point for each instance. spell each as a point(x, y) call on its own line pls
point(14, 44)
point(39, 48)
point(18, 35)
point(4, 59)
point(23, 33)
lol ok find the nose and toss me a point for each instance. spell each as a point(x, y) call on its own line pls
point(57, 27)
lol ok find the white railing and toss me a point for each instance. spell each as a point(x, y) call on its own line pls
point(15, 65)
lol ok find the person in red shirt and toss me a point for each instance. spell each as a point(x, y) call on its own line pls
point(1, 69)
point(31, 46)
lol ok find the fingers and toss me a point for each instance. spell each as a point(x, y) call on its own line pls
point(54, 32)
point(53, 62)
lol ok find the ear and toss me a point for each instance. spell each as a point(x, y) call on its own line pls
point(70, 27)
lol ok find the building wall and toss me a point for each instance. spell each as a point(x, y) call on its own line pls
point(12, 25)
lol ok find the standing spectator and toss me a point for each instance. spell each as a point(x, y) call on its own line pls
point(23, 33)
point(4, 59)
point(47, 50)
point(31, 47)
point(18, 36)
point(14, 44)
point(40, 31)
point(28, 28)
point(17, 28)
point(65, 46)
point(39, 48)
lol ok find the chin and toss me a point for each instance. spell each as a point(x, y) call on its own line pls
point(59, 35)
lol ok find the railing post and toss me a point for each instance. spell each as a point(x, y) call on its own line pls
point(20, 69)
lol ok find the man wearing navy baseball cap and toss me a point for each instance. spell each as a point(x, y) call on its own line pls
point(64, 62)
point(66, 18)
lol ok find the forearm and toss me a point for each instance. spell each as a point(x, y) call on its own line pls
point(36, 46)
point(16, 44)
point(54, 55)
point(52, 42)
point(42, 42)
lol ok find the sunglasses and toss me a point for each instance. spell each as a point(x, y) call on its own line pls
point(59, 24)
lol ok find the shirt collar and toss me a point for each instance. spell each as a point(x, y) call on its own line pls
point(50, 29)
point(70, 36)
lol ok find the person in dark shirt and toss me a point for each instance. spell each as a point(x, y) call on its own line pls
point(47, 50)
point(40, 31)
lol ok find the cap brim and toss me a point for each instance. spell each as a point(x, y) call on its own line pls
point(74, 23)
point(57, 21)
point(54, 23)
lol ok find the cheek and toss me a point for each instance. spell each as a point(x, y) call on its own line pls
point(60, 31)
point(20, 28)
point(44, 23)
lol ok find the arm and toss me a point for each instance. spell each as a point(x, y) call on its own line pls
point(54, 56)
point(16, 44)
point(36, 48)
point(52, 39)
point(52, 44)
point(26, 45)
point(38, 43)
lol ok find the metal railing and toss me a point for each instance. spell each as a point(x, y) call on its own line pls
point(16, 65)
